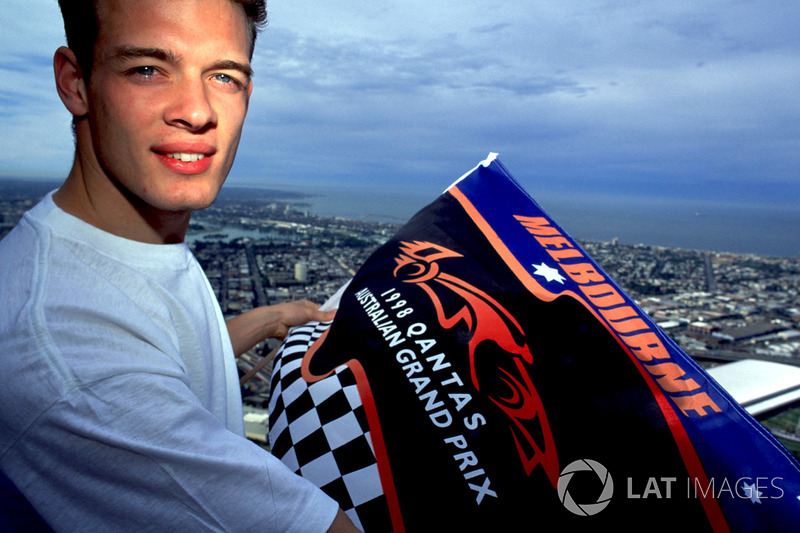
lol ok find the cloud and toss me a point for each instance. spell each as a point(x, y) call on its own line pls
point(670, 98)
point(37, 139)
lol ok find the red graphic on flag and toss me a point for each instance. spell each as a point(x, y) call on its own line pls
point(486, 320)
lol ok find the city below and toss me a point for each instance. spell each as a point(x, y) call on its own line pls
point(257, 249)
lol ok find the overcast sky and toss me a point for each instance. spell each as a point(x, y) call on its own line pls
point(695, 99)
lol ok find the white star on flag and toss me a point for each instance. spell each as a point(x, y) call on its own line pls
point(548, 273)
point(752, 493)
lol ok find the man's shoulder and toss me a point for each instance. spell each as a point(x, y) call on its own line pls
point(19, 251)
point(29, 235)
point(22, 234)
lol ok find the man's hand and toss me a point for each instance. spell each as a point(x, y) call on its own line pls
point(296, 313)
point(272, 321)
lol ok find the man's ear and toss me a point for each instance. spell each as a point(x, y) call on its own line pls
point(69, 82)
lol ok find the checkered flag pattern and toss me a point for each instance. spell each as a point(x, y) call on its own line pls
point(320, 431)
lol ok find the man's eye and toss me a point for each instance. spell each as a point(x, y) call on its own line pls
point(146, 71)
point(227, 80)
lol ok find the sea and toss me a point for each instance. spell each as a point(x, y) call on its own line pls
point(699, 225)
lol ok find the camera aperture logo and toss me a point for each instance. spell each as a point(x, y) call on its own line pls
point(590, 508)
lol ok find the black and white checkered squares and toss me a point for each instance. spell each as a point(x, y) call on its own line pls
point(320, 431)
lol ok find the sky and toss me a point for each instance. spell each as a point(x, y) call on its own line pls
point(670, 100)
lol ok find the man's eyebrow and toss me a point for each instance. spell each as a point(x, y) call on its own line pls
point(132, 52)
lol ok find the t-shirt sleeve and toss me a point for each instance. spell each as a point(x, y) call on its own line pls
point(138, 452)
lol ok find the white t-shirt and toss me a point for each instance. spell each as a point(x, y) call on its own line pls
point(120, 406)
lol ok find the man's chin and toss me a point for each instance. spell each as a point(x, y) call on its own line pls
point(190, 200)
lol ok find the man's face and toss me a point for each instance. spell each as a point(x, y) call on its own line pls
point(167, 97)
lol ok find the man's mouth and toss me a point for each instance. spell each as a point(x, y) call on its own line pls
point(186, 157)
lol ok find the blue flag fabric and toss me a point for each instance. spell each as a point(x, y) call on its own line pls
point(484, 372)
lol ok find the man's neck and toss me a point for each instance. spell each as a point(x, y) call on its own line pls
point(104, 204)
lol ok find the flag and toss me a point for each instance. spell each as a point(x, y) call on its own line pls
point(483, 372)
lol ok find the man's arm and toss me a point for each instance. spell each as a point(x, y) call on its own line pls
point(272, 321)
point(253, 326)
point(342, 524)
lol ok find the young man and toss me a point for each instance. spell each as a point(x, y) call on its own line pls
point(119, 405)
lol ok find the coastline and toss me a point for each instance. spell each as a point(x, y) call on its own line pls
point(695, 224)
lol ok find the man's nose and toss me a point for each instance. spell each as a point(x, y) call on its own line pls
point(191, 107)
